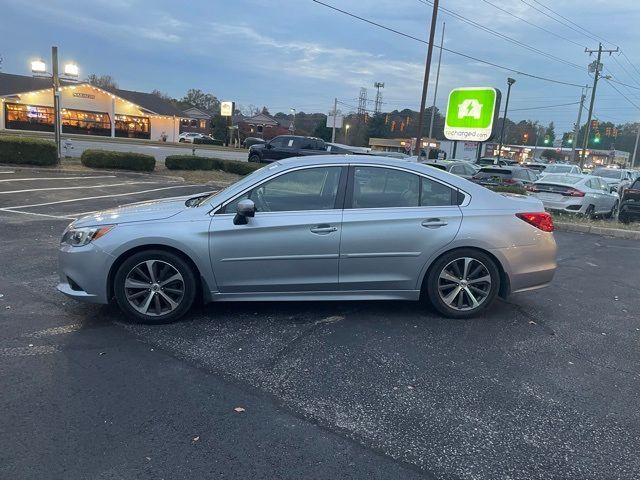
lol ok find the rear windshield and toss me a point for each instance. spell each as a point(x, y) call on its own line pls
point(494, 172)
point(607, 173)
point(558, 169)
point(555, 178)
point(436, 165)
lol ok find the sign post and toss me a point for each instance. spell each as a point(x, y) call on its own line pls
point(226, 110)
point(472, 113)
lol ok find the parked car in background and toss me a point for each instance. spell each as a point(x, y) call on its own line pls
point(397, 155)
point(576, 193)
point(560, 168)
point(249, 141)
point(537, 166)
point(207, 140)
point(188, 137)
point(630, 203)
point(505, 177)
point(286, 146)
point(325, 227)
point(616, 178)
point(460, 168)
point(488, 161)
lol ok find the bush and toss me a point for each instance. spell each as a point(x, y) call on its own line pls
point(509, 189)
point(190, 162)
point(138, 162)
point(27, 151)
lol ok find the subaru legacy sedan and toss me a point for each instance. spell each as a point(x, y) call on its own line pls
point(328, 227)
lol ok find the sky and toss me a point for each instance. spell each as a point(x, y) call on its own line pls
point(286, 54)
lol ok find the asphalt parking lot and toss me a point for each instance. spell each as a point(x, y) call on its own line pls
point(544, 386)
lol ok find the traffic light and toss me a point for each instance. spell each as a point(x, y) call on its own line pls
point(386, 119)
point(402, 126)
point(546, 139)
point(594, 124)
point(607, 131)
point(596, 138)
point(614, 131)
point(407, 121)
point(393, 125)
point(366, 117)
point(525, 137)
point(570, 139)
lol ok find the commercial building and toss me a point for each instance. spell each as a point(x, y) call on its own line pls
point(27, 104)
point(524, 153)
point(402, 145)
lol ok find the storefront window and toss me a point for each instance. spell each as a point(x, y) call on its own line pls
point(133, 127)
point(29, 117)
point(85, 123)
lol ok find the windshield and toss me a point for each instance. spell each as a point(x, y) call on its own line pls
point(558, 169)
point(209, 198)
point(607, 173)
point(571, 179)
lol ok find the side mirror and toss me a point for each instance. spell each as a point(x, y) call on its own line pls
point(268, 145)
point(245, 209)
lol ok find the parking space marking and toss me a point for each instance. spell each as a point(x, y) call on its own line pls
point(28, 351)
point(66, 217)
point(16, 207)
point(55, 331)
point(52, 178)
point(77, 187)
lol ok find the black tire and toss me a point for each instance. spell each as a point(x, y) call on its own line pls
point(164, 262)
point(254, 158)
point(590, 212)
point(435, 284)
point(612, 213)
point(624, 219)
point(181, 140)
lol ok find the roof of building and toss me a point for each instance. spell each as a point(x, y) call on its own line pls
point(264, 119)
point(14, 84)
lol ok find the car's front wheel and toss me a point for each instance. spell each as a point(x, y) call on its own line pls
point(155, 287)
point(255, 158)
point(462, 283)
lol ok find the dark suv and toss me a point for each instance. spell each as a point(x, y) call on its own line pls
point(630, 203)
point(286, 146)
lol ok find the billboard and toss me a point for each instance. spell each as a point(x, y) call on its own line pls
point(226, 109)
point(339, 119)
point(472, 113)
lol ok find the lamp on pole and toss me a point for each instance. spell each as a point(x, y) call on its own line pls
point(71, 71)
point(346, 134)
point(510, 81)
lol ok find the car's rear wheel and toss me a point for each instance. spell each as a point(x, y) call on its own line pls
point(181, 140)
point(155, 287)
point(254, 158)
point(612, 213)
point(590, 212)
point(463, 283)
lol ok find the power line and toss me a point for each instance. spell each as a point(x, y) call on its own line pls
point(564, 24)
point(545, 106)
point(627, 58)
point(397, 32)
point(625, 70)
point(532, 24)
point(504, 37)
point(622, 94)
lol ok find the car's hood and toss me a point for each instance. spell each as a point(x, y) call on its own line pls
point(257, 146)
point(136, 212)
point(610, 181)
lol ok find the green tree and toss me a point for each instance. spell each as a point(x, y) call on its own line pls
point(322, 131)
point(550, 132)
point(199, 99)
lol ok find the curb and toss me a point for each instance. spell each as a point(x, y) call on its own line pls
point(595, 230)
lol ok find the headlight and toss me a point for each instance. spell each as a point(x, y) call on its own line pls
point(79, 237)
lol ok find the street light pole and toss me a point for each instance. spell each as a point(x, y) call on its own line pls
point(425, 82)
point(510, 81)
point(576, 130)
point(56, 100)
point(293, 123)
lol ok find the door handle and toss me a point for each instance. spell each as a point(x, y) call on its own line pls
point(434, 223)
point(323, 228)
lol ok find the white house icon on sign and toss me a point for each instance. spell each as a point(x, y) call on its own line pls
point(470, 108)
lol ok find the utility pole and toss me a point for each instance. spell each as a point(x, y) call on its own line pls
point(425, 83)
point(576, 130)
point(56, 100)
point(596, 76)
point(335, 113)
point(510, 81)
point(378, 104)
point(635, 149)
point(435, 95)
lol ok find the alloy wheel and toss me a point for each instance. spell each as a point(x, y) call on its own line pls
point(154, 288)
point(464, 284)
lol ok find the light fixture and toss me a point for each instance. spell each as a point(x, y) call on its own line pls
point(71, 70)
point(38, 66)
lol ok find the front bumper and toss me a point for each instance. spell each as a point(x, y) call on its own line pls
point(84, 273)
point(630, 210)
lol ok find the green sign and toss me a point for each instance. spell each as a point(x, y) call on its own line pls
point(471, 113)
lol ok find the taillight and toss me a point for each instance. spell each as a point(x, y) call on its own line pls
point(631, 191)
point(476, 177)
point(541, 220)
point(572, 192)
point(509, 180)
point(531, 188)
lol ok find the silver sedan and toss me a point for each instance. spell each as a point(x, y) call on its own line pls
point(316, 228)
point(581, 194)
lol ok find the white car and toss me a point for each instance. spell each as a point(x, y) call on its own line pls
point(561, 168)
point(187, 137)
point(581, 194)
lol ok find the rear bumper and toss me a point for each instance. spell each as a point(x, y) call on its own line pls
point(572, 205)
point(531, 266)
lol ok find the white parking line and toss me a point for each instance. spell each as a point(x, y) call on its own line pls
point(52, 178)
point(7, 172)
point(9, 210)
point(77, 187)
point(16, 207)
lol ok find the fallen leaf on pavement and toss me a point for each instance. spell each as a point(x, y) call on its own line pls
point(239, 409)
point(195, 439)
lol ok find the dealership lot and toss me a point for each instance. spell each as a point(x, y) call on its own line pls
point(543, 386)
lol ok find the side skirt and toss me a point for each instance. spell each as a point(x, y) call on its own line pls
point(317, 296)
